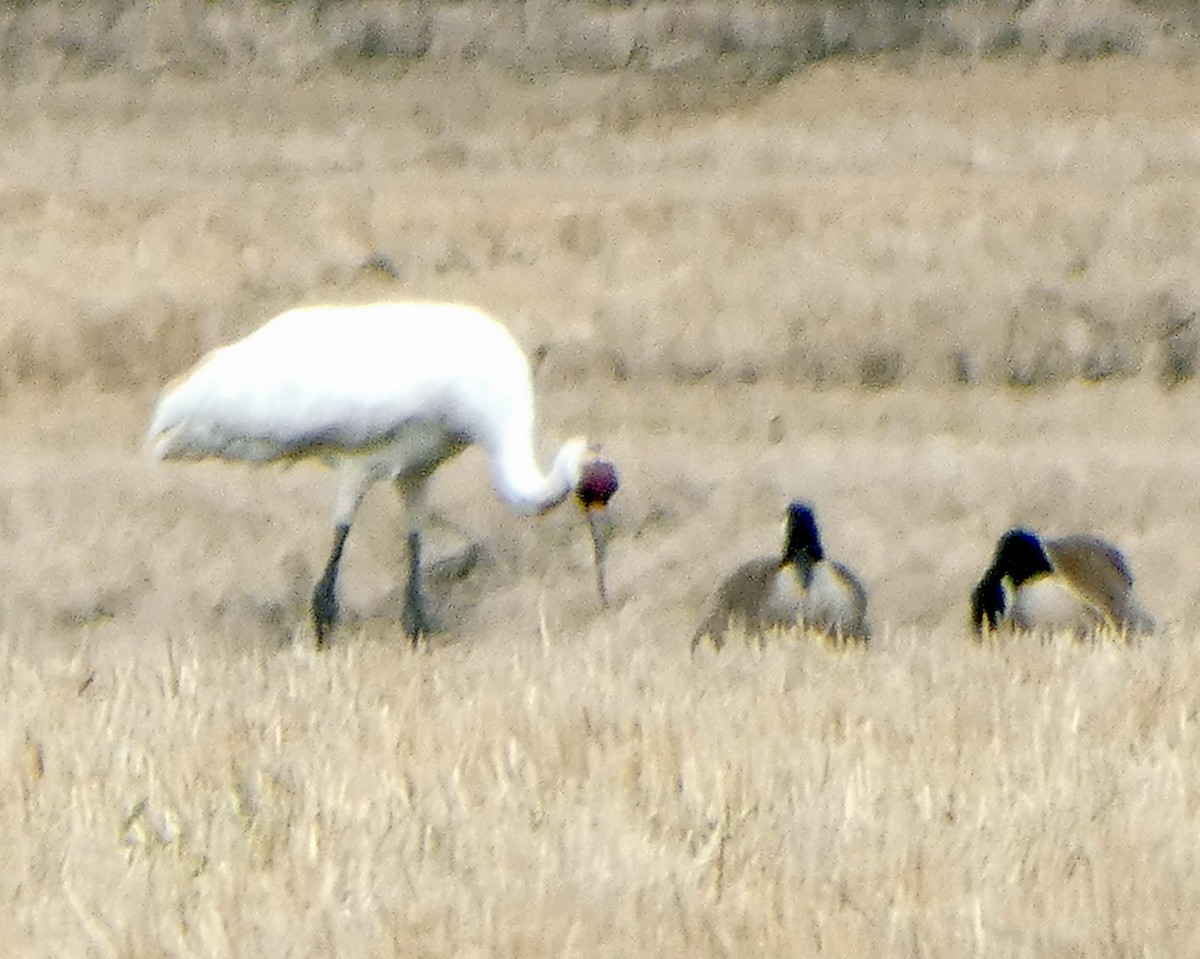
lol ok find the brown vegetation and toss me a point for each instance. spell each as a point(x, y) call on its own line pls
point(924, 230)
point(755, 41)
point(840, 287)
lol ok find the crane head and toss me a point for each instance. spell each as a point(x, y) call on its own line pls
point(597, 485)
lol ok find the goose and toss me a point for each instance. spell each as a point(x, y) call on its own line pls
point(800, 587)
point(1076, 583)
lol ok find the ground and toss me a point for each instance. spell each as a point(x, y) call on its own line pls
point(935, 300)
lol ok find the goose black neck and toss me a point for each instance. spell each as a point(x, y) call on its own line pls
point(802, 542)
point(987, 601)
point(1021, 556)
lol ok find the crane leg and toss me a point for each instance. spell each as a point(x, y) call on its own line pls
point(415, 618)
point(324, 604)
point(413, 490)
point(355, 477)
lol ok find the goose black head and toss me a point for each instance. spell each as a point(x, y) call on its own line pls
point(801, 541)
point(1020, 556)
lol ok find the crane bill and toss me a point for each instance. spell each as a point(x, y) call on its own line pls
point(597, 517)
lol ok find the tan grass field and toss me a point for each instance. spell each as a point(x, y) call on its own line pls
point(748, 298)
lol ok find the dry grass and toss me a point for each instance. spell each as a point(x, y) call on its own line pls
point(186, 776)
point(595, 793)
point(189, 776)
point(754, 41)
point(925, 228)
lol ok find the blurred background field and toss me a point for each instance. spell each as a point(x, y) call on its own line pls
point(931, 266)
point(1025, 218)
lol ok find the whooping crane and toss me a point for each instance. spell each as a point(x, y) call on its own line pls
point(381, 391)
point(1076, 583)
point(799, 588)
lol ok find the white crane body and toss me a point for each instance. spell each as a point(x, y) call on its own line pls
point(428, 379)
point(380, 391)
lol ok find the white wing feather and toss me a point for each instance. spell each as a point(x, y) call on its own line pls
point(346, 378)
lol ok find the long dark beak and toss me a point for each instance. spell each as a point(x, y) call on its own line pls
point(597, 517)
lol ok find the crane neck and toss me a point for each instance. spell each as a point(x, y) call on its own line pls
point(528, 490)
